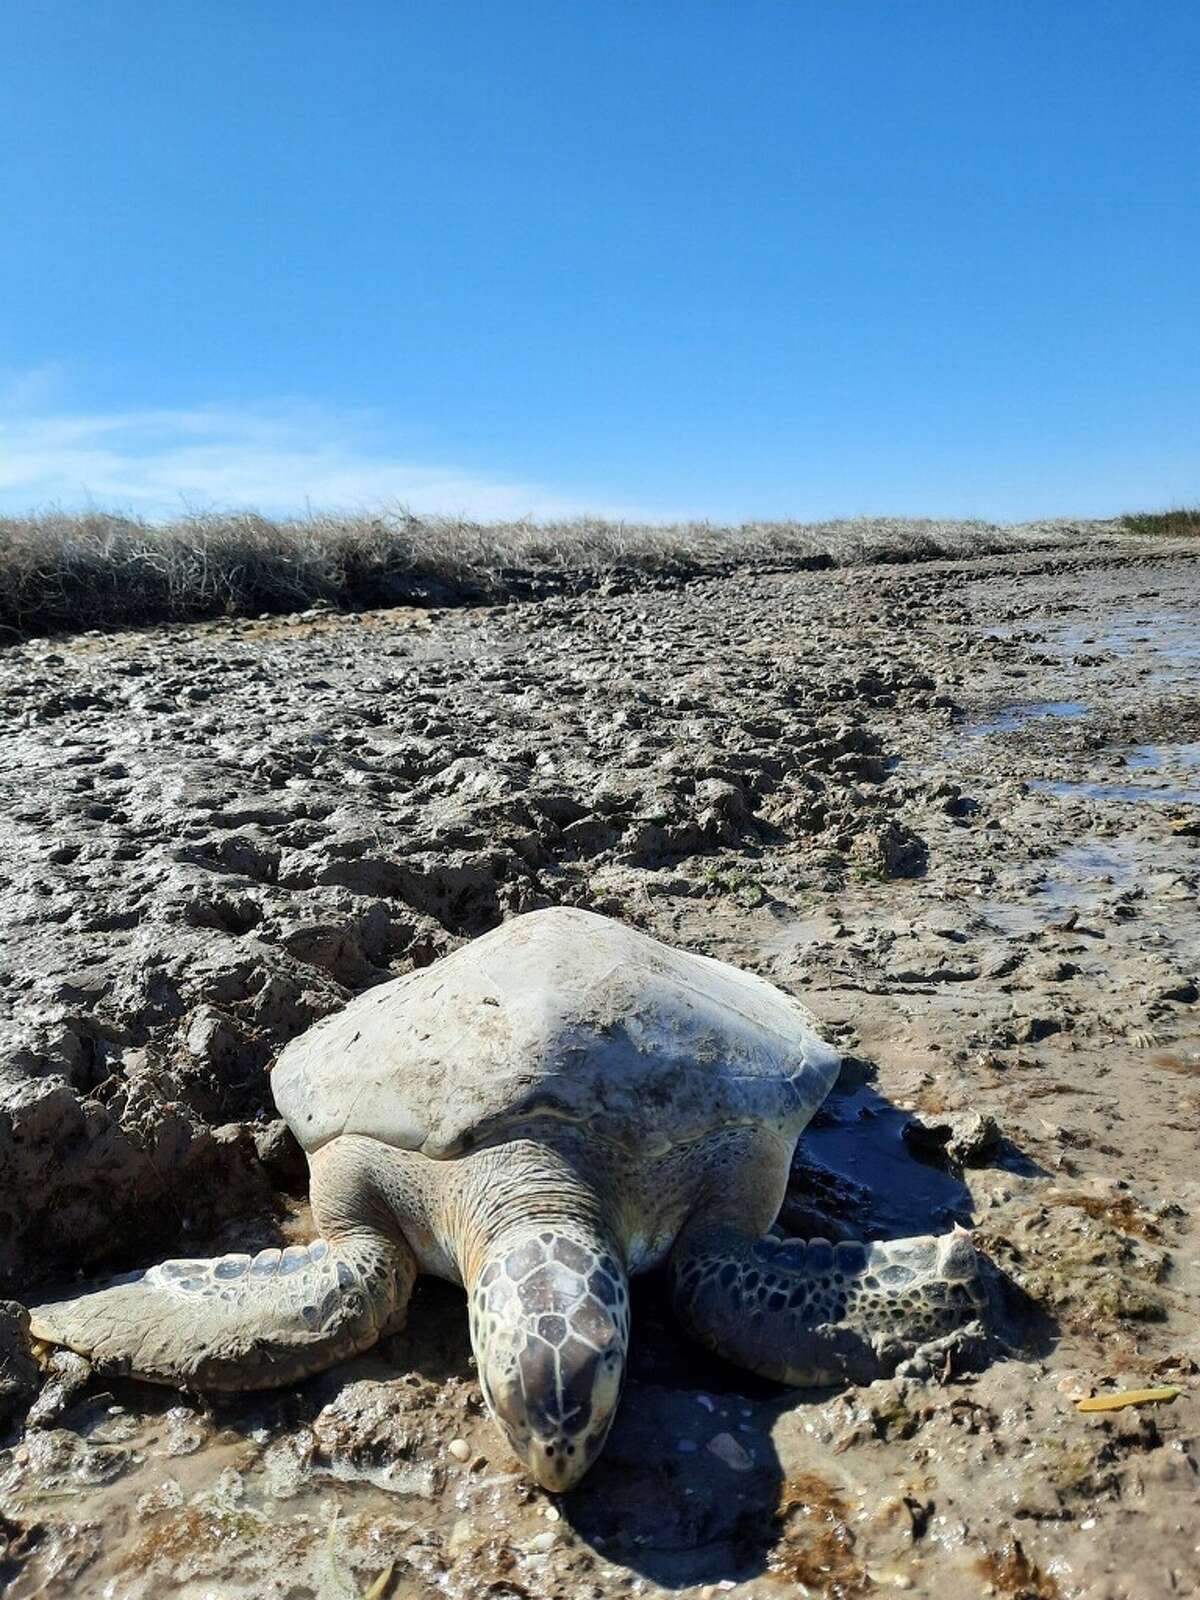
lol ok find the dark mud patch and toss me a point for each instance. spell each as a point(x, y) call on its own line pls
point(687, 1489)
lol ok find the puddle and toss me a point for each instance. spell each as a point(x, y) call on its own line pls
point(1171, 633)
point(1153, 757)
point(1168, 642)
point(1078, 876)
point(858, 1137)
point(199, 1515)
point(1017, 716)
point(1077, 871)
point(1068, 789)
point(1011, 919)
point(1170, 639)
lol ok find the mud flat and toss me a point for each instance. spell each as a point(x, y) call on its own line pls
point(955, 805)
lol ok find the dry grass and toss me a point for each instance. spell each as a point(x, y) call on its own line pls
point(62, 572)
point(1182, 522)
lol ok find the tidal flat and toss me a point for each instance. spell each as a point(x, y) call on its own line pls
point(953, 804)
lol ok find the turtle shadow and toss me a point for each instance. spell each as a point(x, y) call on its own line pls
point(684, 1494)
point(855, 1175)
point(690, 1488)
point(689, 1483)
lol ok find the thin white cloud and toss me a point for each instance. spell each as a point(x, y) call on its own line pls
point(157, 463)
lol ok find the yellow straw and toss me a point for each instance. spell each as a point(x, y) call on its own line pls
point(1127, 1397)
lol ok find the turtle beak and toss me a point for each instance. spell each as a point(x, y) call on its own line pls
point(557, 1407)
point(550, 1326)
point(557, 1459)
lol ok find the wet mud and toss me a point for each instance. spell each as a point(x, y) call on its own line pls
point(955, 806)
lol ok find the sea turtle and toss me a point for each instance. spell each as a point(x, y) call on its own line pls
point(553, 1107)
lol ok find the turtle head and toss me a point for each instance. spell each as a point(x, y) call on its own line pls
point(550, 1327)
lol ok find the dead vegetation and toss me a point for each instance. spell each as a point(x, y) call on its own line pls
point(62, 572)
point(815, 1550)
point(1010, 1572)
point(1182, 522)
point(1121, 1213)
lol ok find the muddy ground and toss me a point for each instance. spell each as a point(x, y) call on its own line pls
point(955, 806)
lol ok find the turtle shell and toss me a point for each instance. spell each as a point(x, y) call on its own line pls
point(561, 1013)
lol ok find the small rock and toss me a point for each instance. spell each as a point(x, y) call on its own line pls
point(212, 1038)
point(186, 1432)
point(18, 1369)
point(1184, 993)
point(460, 1535)
point(726, 1448)
point(69, 1376)
point(890, 851)
point(167, 1497)
point(958, 1138)
point(459, 1449)
point(280, 1153)
point(1029, 1030)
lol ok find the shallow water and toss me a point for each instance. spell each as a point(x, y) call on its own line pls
point(1078, 877)
point(1173, 634)
point(1016, 716)
point(1153, 757)
point(1167, 642)
point(1066, 788)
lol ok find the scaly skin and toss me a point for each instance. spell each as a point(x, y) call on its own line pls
point(251, 1322)
point(818, 1313)
point(239, 1321)
point(543, 1231)
point(550, 1327)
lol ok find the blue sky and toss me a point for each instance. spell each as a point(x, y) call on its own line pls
point(725, 258)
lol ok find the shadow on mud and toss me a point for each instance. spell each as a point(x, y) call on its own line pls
point(861, 1179)
point(690, 1488)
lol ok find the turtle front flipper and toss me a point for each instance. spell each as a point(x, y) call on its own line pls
point(238, 1321)
point(817, 1313)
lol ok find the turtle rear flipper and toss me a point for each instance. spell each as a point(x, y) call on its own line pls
point(238, 1321)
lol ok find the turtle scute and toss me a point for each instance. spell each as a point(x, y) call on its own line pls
point(558, 1013)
